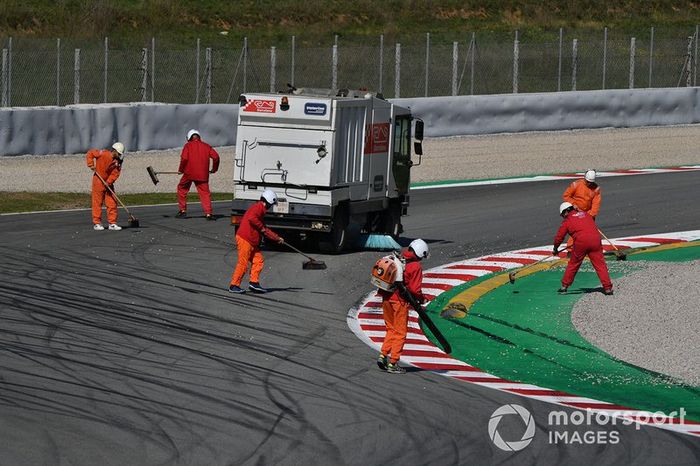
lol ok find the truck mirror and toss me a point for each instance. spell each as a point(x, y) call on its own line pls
point(418, 148)
point(419, 130)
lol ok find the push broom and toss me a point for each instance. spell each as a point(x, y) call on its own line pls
point(154, 174)
point(621, 256)
point(133, 221)
point(311, 264)
point(511, 275)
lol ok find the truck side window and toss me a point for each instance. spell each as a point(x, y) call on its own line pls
point(402, 137)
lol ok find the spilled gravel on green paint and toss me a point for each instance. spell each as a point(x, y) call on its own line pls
point(524, 332)
point(652, 322)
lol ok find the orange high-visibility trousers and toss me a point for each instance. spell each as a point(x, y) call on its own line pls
point(247, 253)
point(396, 319)
point(101, 195)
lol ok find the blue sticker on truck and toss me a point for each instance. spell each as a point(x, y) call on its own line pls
point(314, 108)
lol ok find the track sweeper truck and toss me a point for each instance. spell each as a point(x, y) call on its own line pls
point(334, 159)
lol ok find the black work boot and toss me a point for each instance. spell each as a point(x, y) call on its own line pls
point(255, 286)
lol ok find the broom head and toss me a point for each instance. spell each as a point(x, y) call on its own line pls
point(152, 173)
point(313, 264)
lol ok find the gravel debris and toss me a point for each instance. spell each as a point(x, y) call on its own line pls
point(455, 158)
point(651, 321)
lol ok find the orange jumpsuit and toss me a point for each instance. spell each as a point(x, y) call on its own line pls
point(109, 169)
point(584, 198)
point(395, 307)
point(248, 239)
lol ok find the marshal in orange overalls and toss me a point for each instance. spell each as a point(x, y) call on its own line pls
point(108, 165)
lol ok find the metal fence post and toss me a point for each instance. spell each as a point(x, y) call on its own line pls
point(651, 55)
point(4, 77)
point(144, 73)
point(153, 68)
point(397, 72)
point(455, 62)
point(9, 72)
point(574, 63)
point(334, 66)
point(427, 60)
point(196, 83)
point(471, 80)
point(633, 49)
point(76, 77)
point(245, 65)
point(381, 63)
point(58, 72)
point(207, 72)
point(561, 43)
point(516, 59)
point(688, 62)
point(104, 99)
point(695, 61)
point(294, 43)
point(273, 66)
point(605, 54)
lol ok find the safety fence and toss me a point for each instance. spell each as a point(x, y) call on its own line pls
point(40, 72)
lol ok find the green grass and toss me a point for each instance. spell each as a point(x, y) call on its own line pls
point(176, 25)
point(315, 22)
point(11, 202)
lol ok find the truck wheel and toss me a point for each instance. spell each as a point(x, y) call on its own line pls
point(335, 241)
point(392, 221)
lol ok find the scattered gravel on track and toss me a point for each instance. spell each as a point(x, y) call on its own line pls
point(651, 321)
point(456, 158)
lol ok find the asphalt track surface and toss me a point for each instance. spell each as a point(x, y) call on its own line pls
point(125, 347)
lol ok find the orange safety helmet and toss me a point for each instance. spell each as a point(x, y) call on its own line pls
point(385, 273)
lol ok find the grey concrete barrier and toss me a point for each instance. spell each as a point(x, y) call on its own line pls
point(147, 126)
point(509, 113)
point(77, 128)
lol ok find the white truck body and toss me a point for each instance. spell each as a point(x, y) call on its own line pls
point(330, 160)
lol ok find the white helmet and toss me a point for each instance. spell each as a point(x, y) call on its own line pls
point(420, 247)
point(269, 196)
point(564, 206)
point(191, 133)
point(590, 176)
point(119, 147)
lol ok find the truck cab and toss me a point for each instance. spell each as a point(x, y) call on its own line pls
point(332, 158)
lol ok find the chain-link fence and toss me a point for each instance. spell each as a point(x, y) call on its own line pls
point(65, 71)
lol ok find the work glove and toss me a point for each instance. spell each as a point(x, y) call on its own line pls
point(555, 251)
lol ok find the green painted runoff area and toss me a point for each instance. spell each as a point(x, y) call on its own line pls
point(523, 332)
